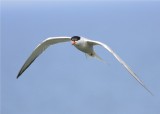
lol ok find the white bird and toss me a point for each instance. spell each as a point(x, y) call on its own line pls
point(83, 44)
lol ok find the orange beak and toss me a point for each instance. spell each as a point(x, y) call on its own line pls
point(73, 42)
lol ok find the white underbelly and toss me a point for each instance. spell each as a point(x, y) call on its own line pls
point(85, 48)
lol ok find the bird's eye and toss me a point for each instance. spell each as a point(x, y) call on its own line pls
point(75, 38)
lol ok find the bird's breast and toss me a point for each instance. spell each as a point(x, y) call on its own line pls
point(84, 47)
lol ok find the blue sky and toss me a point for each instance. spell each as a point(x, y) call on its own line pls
point(62, 80)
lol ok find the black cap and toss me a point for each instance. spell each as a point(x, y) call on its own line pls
point(75, 38)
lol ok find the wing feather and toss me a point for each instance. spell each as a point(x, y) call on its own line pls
point(39, 49)
point(91, 42)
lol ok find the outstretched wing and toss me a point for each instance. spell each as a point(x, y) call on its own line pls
point(40, 48)
point(91, 42)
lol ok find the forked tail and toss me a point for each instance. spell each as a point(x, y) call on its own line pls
point(93, 54)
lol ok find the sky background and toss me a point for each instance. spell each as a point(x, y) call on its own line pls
point(62, 80)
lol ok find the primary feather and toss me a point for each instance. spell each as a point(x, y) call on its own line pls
point(39, 49)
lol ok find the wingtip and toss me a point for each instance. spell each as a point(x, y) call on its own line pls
point(18, 75)
point(147, 89)
point(150, 92)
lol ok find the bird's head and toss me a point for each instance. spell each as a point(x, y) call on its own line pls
point(75, 39)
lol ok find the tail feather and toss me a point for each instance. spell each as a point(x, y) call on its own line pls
point(95, 56)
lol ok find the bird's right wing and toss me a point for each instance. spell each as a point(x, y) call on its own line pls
point(40, 48)
point(91, 42)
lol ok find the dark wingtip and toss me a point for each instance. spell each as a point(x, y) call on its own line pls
point(18, 75)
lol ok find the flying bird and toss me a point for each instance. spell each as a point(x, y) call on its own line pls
point(84, 45)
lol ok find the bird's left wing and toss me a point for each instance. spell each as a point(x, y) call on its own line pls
point(39, 49)
point(91, 42)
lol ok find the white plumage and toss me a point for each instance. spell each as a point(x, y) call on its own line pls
point(83, 44)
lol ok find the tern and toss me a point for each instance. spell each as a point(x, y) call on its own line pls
point(85, 45)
